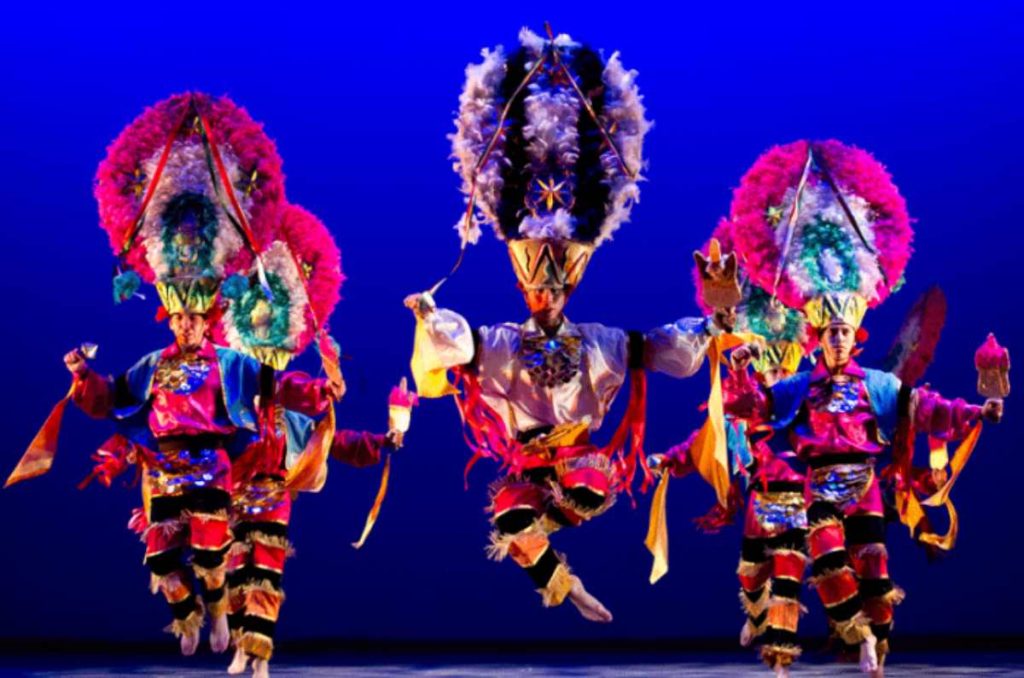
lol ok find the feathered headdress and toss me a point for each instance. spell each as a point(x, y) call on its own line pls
point(187, 193)
point(303, 270)
point(821, 226)
point(548, 143)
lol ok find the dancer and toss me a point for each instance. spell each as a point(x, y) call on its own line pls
point(549, 147)
point(822, 226)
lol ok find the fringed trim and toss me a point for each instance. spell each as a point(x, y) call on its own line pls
point(239, 548)
point(256, 645)
point(210, 572)
point(558, 587)
point(788, 552)
point(813, 582)
point(500, 484)
point(775, 601)
point(158, 582)
point(260, 585)
point(749, 568)
point(561, 500)
point(756, 631)
point(244, 546)
point(272, 541)
point(862, 550)
point(497, 550)
point(167, 527)
point(829, 521)
point(189, 626)
point(501, 542)
point(893, 597)
point(780, 655)
point(853, 631)
point(753, 608)
point(205, 516)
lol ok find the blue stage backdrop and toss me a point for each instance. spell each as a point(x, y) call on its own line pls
point(360, 98)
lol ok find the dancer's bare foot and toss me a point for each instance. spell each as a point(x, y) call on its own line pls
point(781, 671)
point(880, 671)
point(220, 634)
point(868, 656)
point(260, 668)
point(239, 663)
point(189, 643)
point(746, 635)
point(589, 606)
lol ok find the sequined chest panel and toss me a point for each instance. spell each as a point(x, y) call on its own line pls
point(838, 397)
point(182, 374)
point(551, 361)
point(777, 512)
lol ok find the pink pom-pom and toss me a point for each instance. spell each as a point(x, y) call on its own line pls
point(992, 356)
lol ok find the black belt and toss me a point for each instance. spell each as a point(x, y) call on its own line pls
point(847, 458)
point(779, 486)
point(192, 443)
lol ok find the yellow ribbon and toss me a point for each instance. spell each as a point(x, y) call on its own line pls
point(38, 458)
point(960, 458)
point(430, 383)
point(382, 491)
point(708, 452)
point(911, 509)
point(657, 529)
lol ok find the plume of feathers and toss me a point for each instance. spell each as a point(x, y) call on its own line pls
point(826, 253)
point(548, 132)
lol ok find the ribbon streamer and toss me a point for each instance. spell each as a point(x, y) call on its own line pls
point(382, 492)
point(657, 529)
point(910, 507)
point(38, 458)
point(309, 473)
point(709, 451)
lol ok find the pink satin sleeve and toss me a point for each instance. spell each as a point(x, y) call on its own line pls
point(358, 448)
point(941, 418)
point(302, 393)
point(93, 394)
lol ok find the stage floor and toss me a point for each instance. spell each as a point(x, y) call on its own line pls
point(908, 664)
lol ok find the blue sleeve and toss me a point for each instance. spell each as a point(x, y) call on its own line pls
point(787, 396)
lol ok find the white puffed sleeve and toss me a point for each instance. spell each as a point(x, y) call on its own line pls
point(445, 340)
point(677, 349)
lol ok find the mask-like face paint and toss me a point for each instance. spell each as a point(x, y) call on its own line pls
point(546, 306)
point(189, 329)
point(837, 343)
